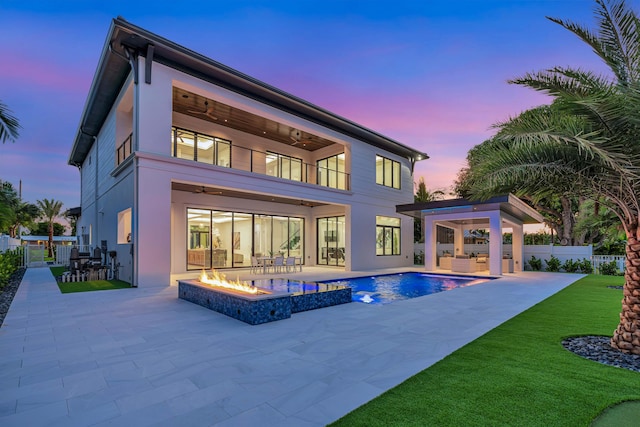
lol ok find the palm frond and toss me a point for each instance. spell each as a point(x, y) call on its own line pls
point(548, 125)
point(618, 34)
point(563, 82)
point(593, 40)
point(9, 125)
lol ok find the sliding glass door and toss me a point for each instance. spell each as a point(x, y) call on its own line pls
point(331, 238)
point(222, 239)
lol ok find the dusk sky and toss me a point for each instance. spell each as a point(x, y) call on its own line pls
point(430, 74)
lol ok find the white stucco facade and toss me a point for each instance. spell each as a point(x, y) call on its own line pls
point(151, 183)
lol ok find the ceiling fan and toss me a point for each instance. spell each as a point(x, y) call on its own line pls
point(205, 190)
point(296, 138)
point(208, 111)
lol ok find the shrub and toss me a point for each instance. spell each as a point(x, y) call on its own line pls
point(553, 264)
point(586, 267)
point(9, 263)
point(535, 263)
point(418, 259)
point(571, 266)
point(609, 268)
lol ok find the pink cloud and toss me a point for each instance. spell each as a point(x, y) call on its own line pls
point(27, 71)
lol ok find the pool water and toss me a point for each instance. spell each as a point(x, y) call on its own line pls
point(388, 288)
point(295, 287)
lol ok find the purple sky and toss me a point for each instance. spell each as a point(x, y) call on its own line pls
point(430, 74)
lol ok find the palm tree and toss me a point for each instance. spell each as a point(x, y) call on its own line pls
point(587, 141)
point(9, 125)
point(50, 211)
point(8, 200)
point(558, 205)
point(423, 195)
point(13, 211)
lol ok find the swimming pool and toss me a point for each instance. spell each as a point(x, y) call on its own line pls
point(382, 289)
point(385, 289)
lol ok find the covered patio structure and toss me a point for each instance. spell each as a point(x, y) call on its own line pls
point(461, 214)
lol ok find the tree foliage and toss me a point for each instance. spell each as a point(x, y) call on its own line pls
point(9, 125)
point(586, 143)
point(14, 212)
point(42, 229)
point(422, 194)
point(50, 210)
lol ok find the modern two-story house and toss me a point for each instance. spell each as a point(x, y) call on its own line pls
point(188, 164)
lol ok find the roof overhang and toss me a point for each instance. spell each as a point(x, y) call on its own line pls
point(508, 204)
point(113, 70)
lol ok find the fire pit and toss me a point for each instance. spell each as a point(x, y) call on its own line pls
point(259, 304)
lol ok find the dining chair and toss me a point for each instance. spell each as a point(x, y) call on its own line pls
point(256, 265)
point(290, 264)
point(278, 264)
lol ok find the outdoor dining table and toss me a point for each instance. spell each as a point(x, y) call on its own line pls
point(266, 261)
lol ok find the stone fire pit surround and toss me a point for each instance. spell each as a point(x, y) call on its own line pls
point(263, 307)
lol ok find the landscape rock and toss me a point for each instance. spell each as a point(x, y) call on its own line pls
point(598, 349)
point(7, 293)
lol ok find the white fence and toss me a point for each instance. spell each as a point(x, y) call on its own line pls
point(563, 253)
point(34, 255)
point(7, 243)
point(63, 252)
point(598, 260)
point(544, 252)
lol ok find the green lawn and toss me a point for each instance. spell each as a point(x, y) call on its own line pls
point(92, 285)
point(517, 374)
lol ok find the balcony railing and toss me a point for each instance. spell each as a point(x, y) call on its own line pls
point(124, 150)
point(289, 168)
point(255, 161)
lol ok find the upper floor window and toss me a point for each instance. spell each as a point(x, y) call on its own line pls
point(284, 166)
point(387, 172)
point(200, 147)
point(331, 172)
point(387, 235)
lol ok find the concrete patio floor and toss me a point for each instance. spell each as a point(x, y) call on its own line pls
point(144, 357)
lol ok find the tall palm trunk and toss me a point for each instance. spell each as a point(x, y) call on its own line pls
point(626, 337)
point(51, 240)
point(567, 221)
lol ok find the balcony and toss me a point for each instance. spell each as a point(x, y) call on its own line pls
point(124, 150)
point(201, 148)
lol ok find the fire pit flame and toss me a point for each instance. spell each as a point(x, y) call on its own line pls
point(219, 280)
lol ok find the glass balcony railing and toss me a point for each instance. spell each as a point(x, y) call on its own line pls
point(221, 152)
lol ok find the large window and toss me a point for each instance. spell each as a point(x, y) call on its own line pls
point(222, 239)
point(331, 238)
point(331, 172)
point(189, 145)
point(387, 172)
point(387, 235)
point(284, 166)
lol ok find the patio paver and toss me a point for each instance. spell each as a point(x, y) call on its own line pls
point(143, 356)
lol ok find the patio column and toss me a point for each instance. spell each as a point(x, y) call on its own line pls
point(430, 236)
point(458, 240)
point(517, 247)
point(495, 243)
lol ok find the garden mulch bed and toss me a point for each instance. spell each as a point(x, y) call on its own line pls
point(8, 292)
